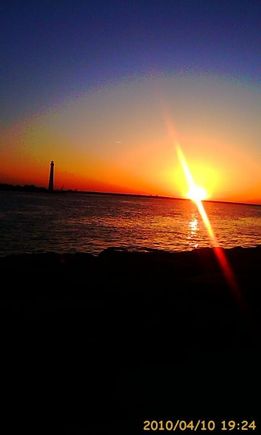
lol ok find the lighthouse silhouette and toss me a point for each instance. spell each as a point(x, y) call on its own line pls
point(51, 177)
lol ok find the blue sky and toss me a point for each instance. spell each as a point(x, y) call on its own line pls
point(54, 50)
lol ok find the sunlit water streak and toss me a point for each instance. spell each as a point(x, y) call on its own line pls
point(73, 222)
point(221, 257)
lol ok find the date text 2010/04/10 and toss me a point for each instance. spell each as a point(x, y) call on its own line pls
point(199, 425)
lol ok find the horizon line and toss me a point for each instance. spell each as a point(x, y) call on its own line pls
point(144, 195)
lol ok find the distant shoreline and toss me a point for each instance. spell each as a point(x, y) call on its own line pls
point(37, 189)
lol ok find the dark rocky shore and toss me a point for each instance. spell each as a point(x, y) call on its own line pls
point(96, 345)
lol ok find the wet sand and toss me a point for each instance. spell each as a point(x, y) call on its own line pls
point(99, 344)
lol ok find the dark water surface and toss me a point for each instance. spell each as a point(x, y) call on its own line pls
point(75, 222)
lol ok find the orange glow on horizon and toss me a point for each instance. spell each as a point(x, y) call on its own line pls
point(120, 139)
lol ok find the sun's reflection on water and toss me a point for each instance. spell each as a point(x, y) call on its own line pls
point(193, 225)
point(193, 229)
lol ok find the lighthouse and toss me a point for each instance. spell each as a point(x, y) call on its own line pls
point(50, 187)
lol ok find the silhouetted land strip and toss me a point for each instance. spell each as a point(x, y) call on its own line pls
point(37, 189)
point(97, 344)
point(22, 188)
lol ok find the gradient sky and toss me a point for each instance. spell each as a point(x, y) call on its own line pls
point(106, 89)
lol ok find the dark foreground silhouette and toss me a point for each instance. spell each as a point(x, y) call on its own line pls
point(96, 345)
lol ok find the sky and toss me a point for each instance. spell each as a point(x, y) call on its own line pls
point(107, 89)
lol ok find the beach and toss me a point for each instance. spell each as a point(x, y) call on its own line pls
point(98, 344)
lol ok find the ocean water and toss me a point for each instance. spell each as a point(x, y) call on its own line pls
point(76, 222)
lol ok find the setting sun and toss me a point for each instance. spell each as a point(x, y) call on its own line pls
point(197, 193)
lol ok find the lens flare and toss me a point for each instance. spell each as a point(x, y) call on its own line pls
point(196, 196)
